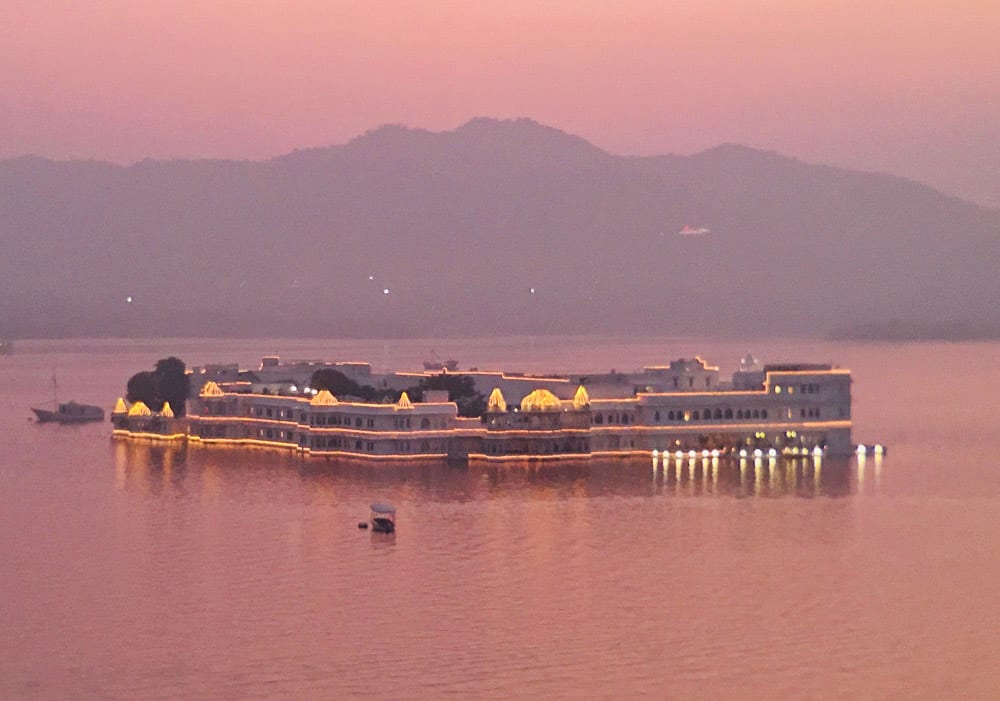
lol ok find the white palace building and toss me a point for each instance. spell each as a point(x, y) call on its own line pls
point(790, 409)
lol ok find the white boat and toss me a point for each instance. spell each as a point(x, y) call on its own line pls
point(70, 413)
point(383, 518)
point(67, 412)
point(444, 365)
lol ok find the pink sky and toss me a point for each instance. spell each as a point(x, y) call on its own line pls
point(910, 87)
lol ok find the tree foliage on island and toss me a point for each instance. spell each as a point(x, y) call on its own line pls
point(341, 386)
point(168, 382)
point(461, 390)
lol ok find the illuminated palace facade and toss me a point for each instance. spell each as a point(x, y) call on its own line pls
point(793, 409)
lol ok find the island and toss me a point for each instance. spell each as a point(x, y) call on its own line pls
point(681, 407)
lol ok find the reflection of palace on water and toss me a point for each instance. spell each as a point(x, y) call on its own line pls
point(682, 406)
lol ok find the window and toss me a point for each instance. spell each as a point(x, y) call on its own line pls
point(656, 416)
point(717, 414)
point(695, 416)
point(670, 415)
point(357, 424)
point(371, 423)
point(763, 413)
point(729, 413)
point(598, 419)
point(425, 423)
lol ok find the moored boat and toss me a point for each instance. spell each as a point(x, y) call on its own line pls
point(383, 518)
point(70, 413)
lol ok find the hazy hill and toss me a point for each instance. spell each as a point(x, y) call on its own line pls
point(461, 225)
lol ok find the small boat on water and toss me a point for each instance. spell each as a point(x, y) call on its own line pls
point(67, 412)
point(449, 365)
point(70, 413)
point(383, 518)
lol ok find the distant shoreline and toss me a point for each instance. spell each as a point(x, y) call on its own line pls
point(916, 332)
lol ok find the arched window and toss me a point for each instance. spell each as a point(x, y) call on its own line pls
point(670, 415)
point(656, 416)
point(425, 422)
point(598, 418)
point(756, 414)
point(729, 413)
point(694, 416)
point(717, 414)
point(763, 413)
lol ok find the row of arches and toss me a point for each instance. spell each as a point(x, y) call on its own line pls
point(685, 415)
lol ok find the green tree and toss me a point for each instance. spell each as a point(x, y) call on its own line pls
point(174, 383)
point(143, 387)
point(461, 390)
point(169, 382)
point(335, 382)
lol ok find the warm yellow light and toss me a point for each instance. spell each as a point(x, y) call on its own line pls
point(139, 409)
point(211, 389)
point(541, 400)
point(324, 398)
point(166, 411)
point(404, 402)
point(581, 400)
point(496, 401)
point(120, 407)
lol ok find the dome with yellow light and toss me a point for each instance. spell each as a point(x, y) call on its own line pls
point(210, 389)
point(139, 409)
point(496, 401)
point(324, 398)
point(541, 400)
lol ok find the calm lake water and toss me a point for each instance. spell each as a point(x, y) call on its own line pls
point(129, 571)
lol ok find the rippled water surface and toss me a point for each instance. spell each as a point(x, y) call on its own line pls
point(130, 571)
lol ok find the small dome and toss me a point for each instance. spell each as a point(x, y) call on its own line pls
point(541, 400)
point(496, 401)
point(404, 402)
point(211, 389)
point(581, 400)
point(120, 407)
point(167, 411)
point(139, 409)
point(323, 398)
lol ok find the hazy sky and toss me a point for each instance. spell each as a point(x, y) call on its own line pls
point(910, 87)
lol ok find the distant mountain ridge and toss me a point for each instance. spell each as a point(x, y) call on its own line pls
point(495, 227)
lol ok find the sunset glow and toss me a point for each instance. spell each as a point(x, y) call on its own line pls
point(905, 87)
